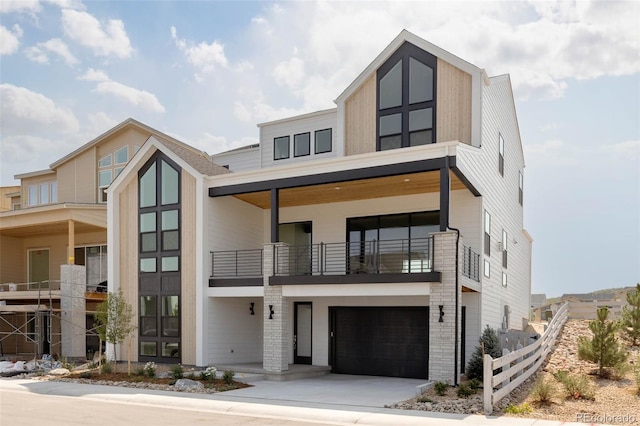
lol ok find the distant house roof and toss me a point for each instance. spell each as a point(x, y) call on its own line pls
point(538, 299)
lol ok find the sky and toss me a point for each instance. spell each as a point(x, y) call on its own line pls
point(207, 72)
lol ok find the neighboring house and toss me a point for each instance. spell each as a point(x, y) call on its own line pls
point(586, 305)
point(378, 238)
point(41, 279)
point(8, 195)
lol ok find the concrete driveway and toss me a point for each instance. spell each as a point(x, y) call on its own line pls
point(333, 389)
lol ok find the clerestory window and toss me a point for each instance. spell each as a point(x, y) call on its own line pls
point(406, 102)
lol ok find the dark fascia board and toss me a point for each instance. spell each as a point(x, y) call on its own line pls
point(236, 282)
point(431, 164)
point(429, 277)
point(456, 171)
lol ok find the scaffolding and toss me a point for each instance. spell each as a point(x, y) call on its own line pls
point(33, 321)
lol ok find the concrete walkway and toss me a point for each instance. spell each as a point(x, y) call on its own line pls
point(309, 399)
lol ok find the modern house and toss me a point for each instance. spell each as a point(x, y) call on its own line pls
point(586, 305)
point(378, 237)
point(53, 245)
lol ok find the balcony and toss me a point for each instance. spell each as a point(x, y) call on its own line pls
point(470, 264)
point(386, 261)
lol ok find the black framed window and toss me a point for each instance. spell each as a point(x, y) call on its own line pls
point(504, 248)
point(406, 101)
point(281, 148)
point(520, 187)
point(159, 279)
point(301, 144)
point(501, 155)
point(487, 233)
point(323, 142)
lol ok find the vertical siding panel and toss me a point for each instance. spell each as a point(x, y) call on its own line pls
point(360, 119)
point(188, 268)
point(128, 274)
point(453, 116)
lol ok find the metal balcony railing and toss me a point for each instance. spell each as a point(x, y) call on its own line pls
point(236, 263)
point(470, 264)
point(366, 257)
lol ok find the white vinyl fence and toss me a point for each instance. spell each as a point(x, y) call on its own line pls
point(519, 365)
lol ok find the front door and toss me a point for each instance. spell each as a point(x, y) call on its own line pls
point(302, 333)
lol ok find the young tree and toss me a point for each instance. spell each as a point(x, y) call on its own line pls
point(489, 344)
point(114, 320)
point(603, 349)
point(631, 315)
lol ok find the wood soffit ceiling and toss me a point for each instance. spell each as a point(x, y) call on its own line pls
point(54, 228)
point(417, 183)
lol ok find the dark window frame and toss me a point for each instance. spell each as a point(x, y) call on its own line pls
point(501, 154)
point(315, 140)
point(160, 276)
point(295, 144)
point(487, 232)
point(406, 51)
point(275, 142)
point(520, 187)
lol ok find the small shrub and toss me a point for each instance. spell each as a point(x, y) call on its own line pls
point(465, 391)
point(578, 387)
point(489, 343)
point(441, 388)
point(177, 372)
point(69, 365)
point(636, 372)
point(106, 368)
point(191, 376)
point(209, 374)
point(227, 377)
point(424, 399)
point(474, 384)
point(150, 369)
point(92, 365)
point(543, 391)
point(518, 409)
point(140, 372)
point(620, 370)
point(85, 375)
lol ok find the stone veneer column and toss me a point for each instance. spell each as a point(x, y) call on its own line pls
point(441, 334)
point(73, 305)
point(276, 336)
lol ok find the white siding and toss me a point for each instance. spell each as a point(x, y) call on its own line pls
point(239, 160)
point(234, 335)
point(474, 327)
point(309, 123)
point(234, 225)
point(500, 199)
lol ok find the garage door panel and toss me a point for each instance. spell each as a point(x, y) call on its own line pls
point(380, 341)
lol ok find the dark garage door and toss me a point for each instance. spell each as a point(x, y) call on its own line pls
point(380, 341)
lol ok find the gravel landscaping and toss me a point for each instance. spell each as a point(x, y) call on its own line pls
point(616, 402)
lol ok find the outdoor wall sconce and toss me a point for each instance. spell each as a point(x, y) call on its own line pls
point(441, 313)
point(251, 308)
point(270, 312)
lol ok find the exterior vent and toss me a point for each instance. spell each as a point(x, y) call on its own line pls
point(500, 247)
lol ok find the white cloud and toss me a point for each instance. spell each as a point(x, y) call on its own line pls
point(30, 6)
point(94, 75)
point(134, 96)
point(103, 38)
point(290, 73)
point(10, 39)
point(205, 57)
point(100, 123)
point(39, 52)
point(24, 110)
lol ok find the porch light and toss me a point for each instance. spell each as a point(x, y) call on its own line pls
point(441, 307)
point(251, 308)
point(271, 312)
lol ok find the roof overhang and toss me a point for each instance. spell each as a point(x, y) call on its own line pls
point(366, 176)
point(53, 220)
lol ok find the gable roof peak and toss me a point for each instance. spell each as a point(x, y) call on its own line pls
point(396, 43)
